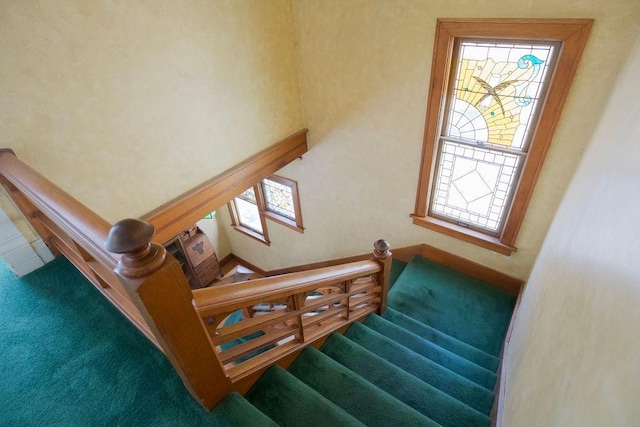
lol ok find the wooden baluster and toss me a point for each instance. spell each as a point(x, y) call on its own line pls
point(159, 289)
point(382, 255)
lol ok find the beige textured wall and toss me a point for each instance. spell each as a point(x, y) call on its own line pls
point(126, 104)
point(364, 68)
point(574, 357)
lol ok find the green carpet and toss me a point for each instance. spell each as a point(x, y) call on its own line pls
point(420, 367)
point(400, 383)
point(71, 359)
point(443, 340)
point(458, 305)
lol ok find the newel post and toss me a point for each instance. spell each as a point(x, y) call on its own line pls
point(382, 254)
point(157, 286)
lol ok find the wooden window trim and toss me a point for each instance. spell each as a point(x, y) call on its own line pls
point(573, 34)
point(280, 219)
point(237, 225)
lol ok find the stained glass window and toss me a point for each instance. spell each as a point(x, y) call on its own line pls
point(492, 107)
point(279, 198)
point(275, 198)
point(248, 212)
point(281, 201)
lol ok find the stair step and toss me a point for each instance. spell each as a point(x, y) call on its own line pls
point(235, 410)
point(423, 397)
point(290, 402)
point(448, 342)
point(459, 305)
point(454, 385)
point(449, 360)
point(354, 394)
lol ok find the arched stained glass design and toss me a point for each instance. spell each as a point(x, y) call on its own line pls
point(493, 102)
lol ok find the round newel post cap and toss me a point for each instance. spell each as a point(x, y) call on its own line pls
point(132, 238)
point(128, 235)
point(381, 249)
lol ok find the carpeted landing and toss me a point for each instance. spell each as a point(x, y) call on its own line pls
point(69, 358)
point(430, 360)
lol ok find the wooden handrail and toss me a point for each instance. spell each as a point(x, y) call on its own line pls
point(239, 295)
point(283, 314)
point(86, 227)
point(69, 227)
point(177, 215)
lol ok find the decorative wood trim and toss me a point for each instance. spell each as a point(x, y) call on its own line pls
point(573, 34)
point(314, 265)
point(226, 260)
point(407, 253)
point(249, 265)
point(178, 214)
point(465, 234)
point(402, 254)
point(493, 277)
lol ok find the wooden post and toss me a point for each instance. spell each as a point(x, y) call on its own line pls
point(382, 254)
point(159, 289)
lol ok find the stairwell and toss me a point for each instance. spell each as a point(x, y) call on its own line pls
point(430, 359)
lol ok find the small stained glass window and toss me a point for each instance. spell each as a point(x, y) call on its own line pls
point(492, 107)
point(282, 202)
point(248, 214)
point(275, 198)
point(279, 198)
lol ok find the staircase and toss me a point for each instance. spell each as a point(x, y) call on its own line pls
point(430, 359)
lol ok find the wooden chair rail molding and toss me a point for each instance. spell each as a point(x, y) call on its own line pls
point(185, 210)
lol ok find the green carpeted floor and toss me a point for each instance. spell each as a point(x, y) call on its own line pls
point(69, 358)
point(458, 305)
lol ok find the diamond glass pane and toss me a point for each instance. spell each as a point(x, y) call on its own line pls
point(249, 195)
point(248, 214)
point(473, 185)
point(496, 92)
point(279, 198)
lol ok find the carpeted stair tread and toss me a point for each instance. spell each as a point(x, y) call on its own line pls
point(426, 370)
point(457, 304)
point(235, 410)
point(363, 400)
point(290, 402)
point(431, 351)
point(397, 267)
point(452, 344)
point(425, 398)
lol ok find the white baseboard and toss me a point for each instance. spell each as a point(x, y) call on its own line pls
point(17, 253)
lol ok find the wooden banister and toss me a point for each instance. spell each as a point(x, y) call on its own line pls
point(31, 190)
point(239, 295)
point(160, 291)
point(283, 314)
point(70, 228)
